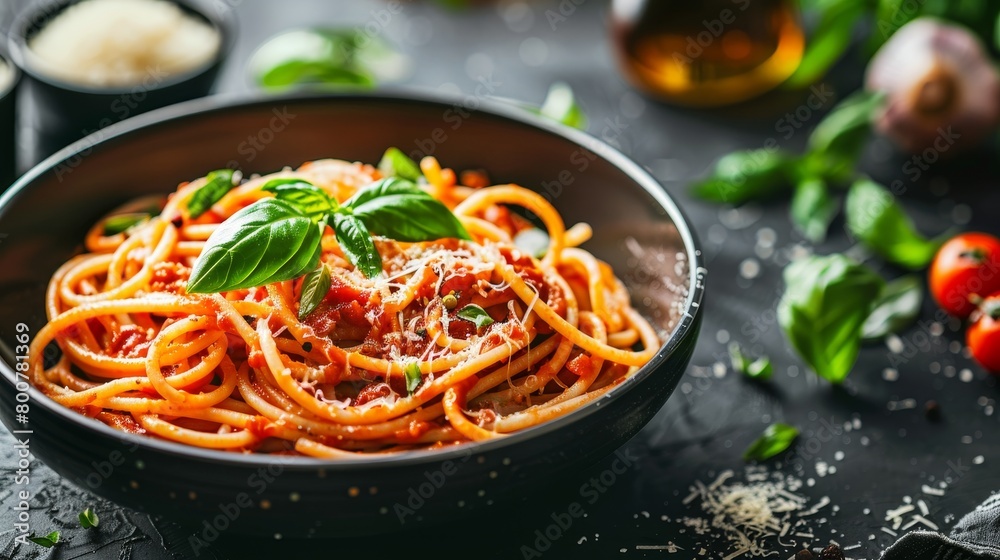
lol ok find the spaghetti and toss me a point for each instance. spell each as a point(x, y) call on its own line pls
point(382, 364)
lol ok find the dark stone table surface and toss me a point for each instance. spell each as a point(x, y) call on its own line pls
point(866, 448)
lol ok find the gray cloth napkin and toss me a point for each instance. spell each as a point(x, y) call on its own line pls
point(975, 537)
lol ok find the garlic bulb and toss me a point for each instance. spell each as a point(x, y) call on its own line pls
point(942, 90)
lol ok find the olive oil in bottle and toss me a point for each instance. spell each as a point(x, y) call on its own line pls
point(710, 53)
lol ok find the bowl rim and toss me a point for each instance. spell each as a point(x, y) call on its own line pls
point(223, 20)
point(9, 89)
point(684, 328)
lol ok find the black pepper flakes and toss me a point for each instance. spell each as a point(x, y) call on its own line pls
point(832, 552)
point(932, 410)
point(307, 346)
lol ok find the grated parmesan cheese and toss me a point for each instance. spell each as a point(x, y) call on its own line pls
point(755, 515)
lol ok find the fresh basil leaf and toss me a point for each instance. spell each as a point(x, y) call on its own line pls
point(357, 244)
point(874, 217)
point(560, 105)
point(400, 210)
point(829, 41)
point(775, 439)
point(475, 314)
point(217, 184)
point(737, 359)
point(826, 303)
point(813, 209)
point(384, 187)
point(88, 519)
point(837, 140)
point(48, 541)
point(268, 241)
point(324, 57)
point(395, 163)
point(747, 175)
point(760, 368)
point(124, 222)
point(306, 72)
point(308, 198)
point(533, 241)
point(896, 308)
point(315, 286)
point(413, 377)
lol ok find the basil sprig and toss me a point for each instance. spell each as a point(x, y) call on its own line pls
point(829, 161)
point(775, 439)
point(827, 301)
point(217, 184)
point(277, 239)
point(874, 217)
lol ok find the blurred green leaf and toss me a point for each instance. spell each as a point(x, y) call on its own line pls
point(875, 218)
point(323, 57)
point(896, 308)
point(813, 209)
point(829, 40)
point(775, 439)
point(837, 141)
point(747, 175)
point(560, 105)
point(826, 302)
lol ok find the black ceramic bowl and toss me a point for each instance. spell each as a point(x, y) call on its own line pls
point(64, 111)
point(638, 230)
point(8, 123)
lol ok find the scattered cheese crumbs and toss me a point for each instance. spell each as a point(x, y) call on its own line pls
point(669, 547)
point(889, 531)
point(904, 404)
point(931, 491)
point(582, 540)
point(813, 510)
point(750, 518)
point(978, 460)
point(923, 507)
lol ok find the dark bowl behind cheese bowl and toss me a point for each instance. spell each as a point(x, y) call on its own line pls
point(637, 229)
point(8, 123)
point(65, 111)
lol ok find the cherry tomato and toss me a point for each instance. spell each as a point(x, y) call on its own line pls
point(967, 265)
point(983, 337)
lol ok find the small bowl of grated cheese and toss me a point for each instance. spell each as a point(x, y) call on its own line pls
point(91, 63)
